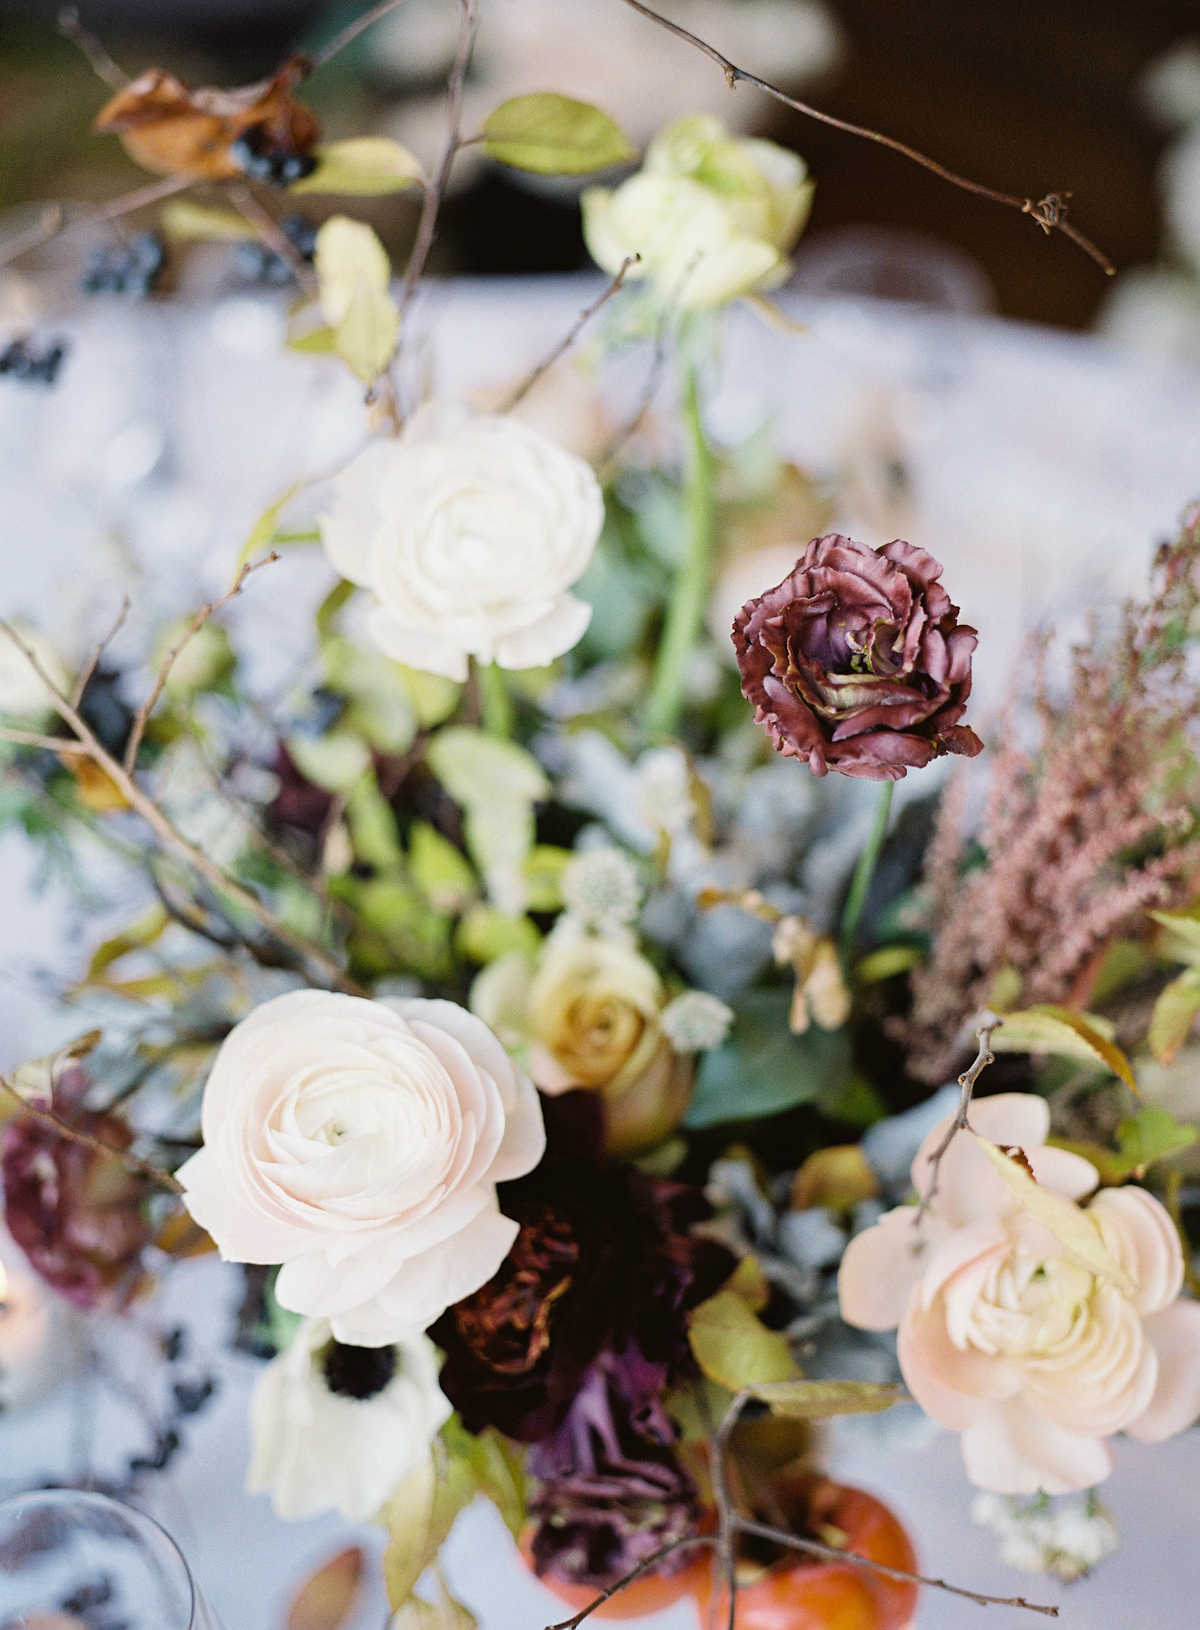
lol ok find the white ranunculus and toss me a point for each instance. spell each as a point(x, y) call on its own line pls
point(340, 1427)
point(711, 216)
point(359, 1144)
point(23, 696)
point(469, 533)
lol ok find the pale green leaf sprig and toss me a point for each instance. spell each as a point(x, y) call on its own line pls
point(1179, 1002)
point(353, 273)
point(364, 166)
point(709, 216)
point(497, 784)
point(549, 134)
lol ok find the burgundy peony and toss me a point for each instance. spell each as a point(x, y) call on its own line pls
point(76, 1213)
point(603, 1260)
point(610, 1491)
point(857, 661)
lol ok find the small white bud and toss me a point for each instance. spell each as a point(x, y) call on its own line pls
point(696, 1022)
point(601, 889)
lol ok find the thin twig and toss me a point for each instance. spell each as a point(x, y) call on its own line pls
point(727, 1520)
point(171, 838)
point(350, 33)
point(272, 234)
point(432, 202)
point(782, 1536)
point(143, 713)
point(565, 344)
point(987, 1022)
point(32, 738)
point(652, 1561)
point(102, 64)
point(48, 1119)
point(57, 221)
point(1048, 212)
point(90, 666)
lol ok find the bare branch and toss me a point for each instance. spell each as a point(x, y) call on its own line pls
point(53, 1122)
point(432, 202)
point(1048, 212)
point(56, 219)
point(143, 713)
point(781, 1536)
point(692, 1542)
point(352, 30)
point(31, 738)
point(89, 667)
point(272, 234)
point(987, 1022)
point(564, 345)
point(103, 65)
point(172, 839)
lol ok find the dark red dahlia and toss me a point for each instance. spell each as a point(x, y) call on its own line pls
point(857, 661)
point(604, 1259)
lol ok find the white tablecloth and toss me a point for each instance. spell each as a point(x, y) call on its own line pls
point(1044, 469)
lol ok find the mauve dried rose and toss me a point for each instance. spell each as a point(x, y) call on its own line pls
point(77, 1214)
point(857, 661)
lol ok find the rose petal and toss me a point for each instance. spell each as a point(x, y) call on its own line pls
point(1010, 1450)
point(879, 1269)
point(1175, 1335)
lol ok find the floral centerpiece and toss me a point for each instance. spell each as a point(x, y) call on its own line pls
point(529, 1003)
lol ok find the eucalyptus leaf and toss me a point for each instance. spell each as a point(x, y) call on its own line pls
point(733, 1346)
point(763, 1069)
point(363, 165)
point(555, 135)
point(821, 1400)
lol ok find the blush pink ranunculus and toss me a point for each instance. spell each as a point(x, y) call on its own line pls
point(359, 1144)
point(1008, 1337)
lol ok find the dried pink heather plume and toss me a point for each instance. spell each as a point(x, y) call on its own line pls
point(1083, 834)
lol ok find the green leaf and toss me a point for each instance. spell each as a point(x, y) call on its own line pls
point(1182, 940)
point(497, 784)
point(362, 166)
point(554, 135)
point(1151, 1135)
point(438, 869)
point(433, 696)
point(373, 826)
point(183, 219)
point(888, 961)
point(485, 935)
point(733, 1346)
point(336, 762)
point(320, 341)
point(763, 1069)
point(419, 1516)
point(264, 529)
point(1071, 1227)
point(1174, 1011)
point(1048, 1028)
point(497, 1467)
point(366, 336)
point(138, 935)
point(544, 867)
point(820, 1400)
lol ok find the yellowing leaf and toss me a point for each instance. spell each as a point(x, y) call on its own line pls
point(1070, 1226)
point(734, 1348)
point(139, 934)
point(554, 135)
point(366, 336)
point(418, 1517)
point(888, 961)
point(1173, 1015)
point(1182, 939)
point(328, 1597)
point(1048, 1028)
point(266, 526)
point(363, 165)
point(183, 219)
point(353, 272)
point(819, 1400)
point(496, 1465)
point(315, 341)
point(750, 1283)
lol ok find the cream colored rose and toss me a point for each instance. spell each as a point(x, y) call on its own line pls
point(468, 532)
point(1009, 1337)
point(589, 1017)
point(711, 216)
point(340, 1427)
point(359, 1144)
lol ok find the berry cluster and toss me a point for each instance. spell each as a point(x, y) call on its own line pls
point(31, 367)
point(256, 263)
point(259, 154)
point(126, 269)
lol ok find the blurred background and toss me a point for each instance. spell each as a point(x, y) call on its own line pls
point(1024, 95)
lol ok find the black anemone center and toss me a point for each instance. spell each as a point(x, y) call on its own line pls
point(358, 1372)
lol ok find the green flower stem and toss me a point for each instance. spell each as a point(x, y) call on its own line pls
point(865, 871)
point(685, 613)
point(495, 701)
